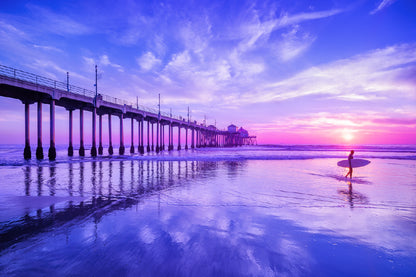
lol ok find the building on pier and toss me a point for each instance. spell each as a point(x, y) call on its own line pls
point(239, 136)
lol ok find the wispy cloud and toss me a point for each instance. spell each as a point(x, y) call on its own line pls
point(293, 43)
point(48, 48)
point(105, 61)
point(53, 70)
point(101, 61)
point(377, 74)
point(256, 29)
point(383, 4)
point(57, 23)
point(332, 123)
point(148, 61)
point(287, 20)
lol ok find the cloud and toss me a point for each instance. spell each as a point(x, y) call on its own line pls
point(337, 122)
point(102, 61)
point(48, 48)
point(411, 122)
point(148, 61)
point(196, 34)
point(256, 29)
point(105, 61)
point(293, 43)
point(287, 20)
point(56, 23)
point(52, 70)
point(377, 74)
point(7, 29)
point(382, 5)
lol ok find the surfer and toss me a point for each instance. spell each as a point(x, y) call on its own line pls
point(350, 157)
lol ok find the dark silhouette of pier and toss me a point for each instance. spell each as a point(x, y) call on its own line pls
point(30, 89)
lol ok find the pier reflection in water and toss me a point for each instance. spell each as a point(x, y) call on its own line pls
point(65, 191)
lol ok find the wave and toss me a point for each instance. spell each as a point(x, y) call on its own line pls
point(13, 155)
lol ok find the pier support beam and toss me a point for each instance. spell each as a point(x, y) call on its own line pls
point(157, 137)
point(138, 135)
point(100, 134)
point(110, 141)
point(170, 137)
point(148, 136)
point(27, 154)
point(132, 136)
point(121, 149)
point(81, 133)
point(193, 139)
point(94, 128)
point(39, 149)
point(186, 138)
point(162, 137)
point(70, 146)
point(52, 149)
point(153, 146)
point(141, 138)
point(179, 137)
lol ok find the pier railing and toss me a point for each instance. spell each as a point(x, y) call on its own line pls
point(47, 82)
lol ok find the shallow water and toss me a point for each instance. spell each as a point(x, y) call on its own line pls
point(260, 211)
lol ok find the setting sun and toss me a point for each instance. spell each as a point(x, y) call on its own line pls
point(347, 135)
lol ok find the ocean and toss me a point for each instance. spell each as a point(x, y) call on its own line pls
point(266, 210)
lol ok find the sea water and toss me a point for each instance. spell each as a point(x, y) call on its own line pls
point(276, 210)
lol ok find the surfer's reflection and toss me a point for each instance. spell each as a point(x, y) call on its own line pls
point(353, 197)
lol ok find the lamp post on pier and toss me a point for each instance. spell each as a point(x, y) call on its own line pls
point(94, 115)
point(157, 128)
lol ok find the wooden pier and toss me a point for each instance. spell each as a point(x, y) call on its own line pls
point(33, 89)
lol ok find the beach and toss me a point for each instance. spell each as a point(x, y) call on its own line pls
point(245, 211)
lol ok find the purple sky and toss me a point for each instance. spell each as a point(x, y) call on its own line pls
point(287, 71)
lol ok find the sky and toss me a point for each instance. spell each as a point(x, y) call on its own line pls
point(292, 71)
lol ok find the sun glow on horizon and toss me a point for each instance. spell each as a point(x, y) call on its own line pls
point(347, 135)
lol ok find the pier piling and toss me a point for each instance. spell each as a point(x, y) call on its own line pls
point(100, 134)
point(39, 148)
point(81, 133)
point(94, 127)
point(27, 153)
point(132, 136)
point(141, 139)
point(52, 149)
point(121, 149)
point(148, 137)
point(70, 146)
point(110, 142)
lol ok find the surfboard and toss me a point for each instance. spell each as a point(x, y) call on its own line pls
point(354, 163)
